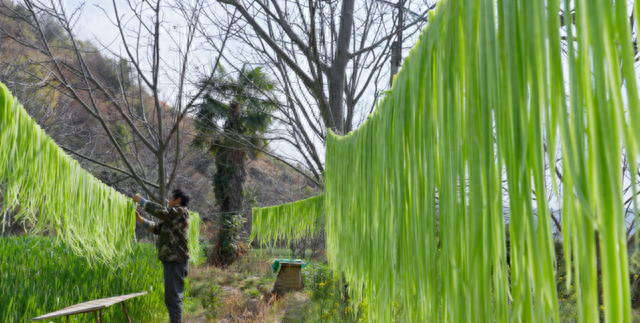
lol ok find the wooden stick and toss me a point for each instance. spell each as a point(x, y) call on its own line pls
point(125, 312)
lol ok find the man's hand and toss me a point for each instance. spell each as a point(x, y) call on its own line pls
point(139, 218)
point(137, 198)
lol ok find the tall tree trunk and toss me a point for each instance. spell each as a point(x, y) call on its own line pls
point(235, 177)
point(228, 187)
point(339, 67)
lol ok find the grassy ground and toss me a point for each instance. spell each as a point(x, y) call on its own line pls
point(242, 293)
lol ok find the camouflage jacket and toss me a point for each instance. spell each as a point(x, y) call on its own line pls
point(172, 231)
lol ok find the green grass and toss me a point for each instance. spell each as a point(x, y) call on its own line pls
point(38, 275)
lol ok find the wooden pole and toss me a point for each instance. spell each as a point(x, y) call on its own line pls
point(126, 313)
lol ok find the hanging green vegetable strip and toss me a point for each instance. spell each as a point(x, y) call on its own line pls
point(290, 221)
point(196, 253)
point(54, 193)
point(414, 197)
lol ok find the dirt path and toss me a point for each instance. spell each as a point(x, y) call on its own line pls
point(296, 308)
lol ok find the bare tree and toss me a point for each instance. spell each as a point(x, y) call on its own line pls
point(330, 58)
point(144, 131)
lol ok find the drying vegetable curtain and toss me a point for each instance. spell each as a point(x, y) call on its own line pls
point(491, 96)
point(291, 221)
point(51, 192)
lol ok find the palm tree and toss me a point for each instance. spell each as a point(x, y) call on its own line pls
point(230, 122)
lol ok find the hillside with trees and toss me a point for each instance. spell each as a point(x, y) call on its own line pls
point(105, 121)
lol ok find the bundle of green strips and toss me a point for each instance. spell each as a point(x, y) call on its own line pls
point(292, 221)
point(54, 193)
point(51, 192)
point(414, 197)
point(196, 252)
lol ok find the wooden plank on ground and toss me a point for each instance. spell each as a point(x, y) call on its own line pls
point(89, 306)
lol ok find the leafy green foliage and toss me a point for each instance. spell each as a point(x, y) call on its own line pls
point(211, 299)
point(122, 135)
point(329, 296)
point(228, 245)
point(235, 112)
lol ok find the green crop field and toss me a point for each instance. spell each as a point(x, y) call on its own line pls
point(39, 275)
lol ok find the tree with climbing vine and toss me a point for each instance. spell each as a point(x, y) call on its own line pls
point(234, 114)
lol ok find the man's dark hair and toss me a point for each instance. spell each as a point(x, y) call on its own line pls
point(184, 198)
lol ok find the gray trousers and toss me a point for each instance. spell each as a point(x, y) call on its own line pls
point(174, 275)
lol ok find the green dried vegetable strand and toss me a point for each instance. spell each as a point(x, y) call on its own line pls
point(291, 221)
point(196, 252)
point(54, 193)
point(414, 198)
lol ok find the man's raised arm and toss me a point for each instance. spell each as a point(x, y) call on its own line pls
point(152, 227)
point(152, 208)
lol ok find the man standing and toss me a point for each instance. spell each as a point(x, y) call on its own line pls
point(173, 250)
